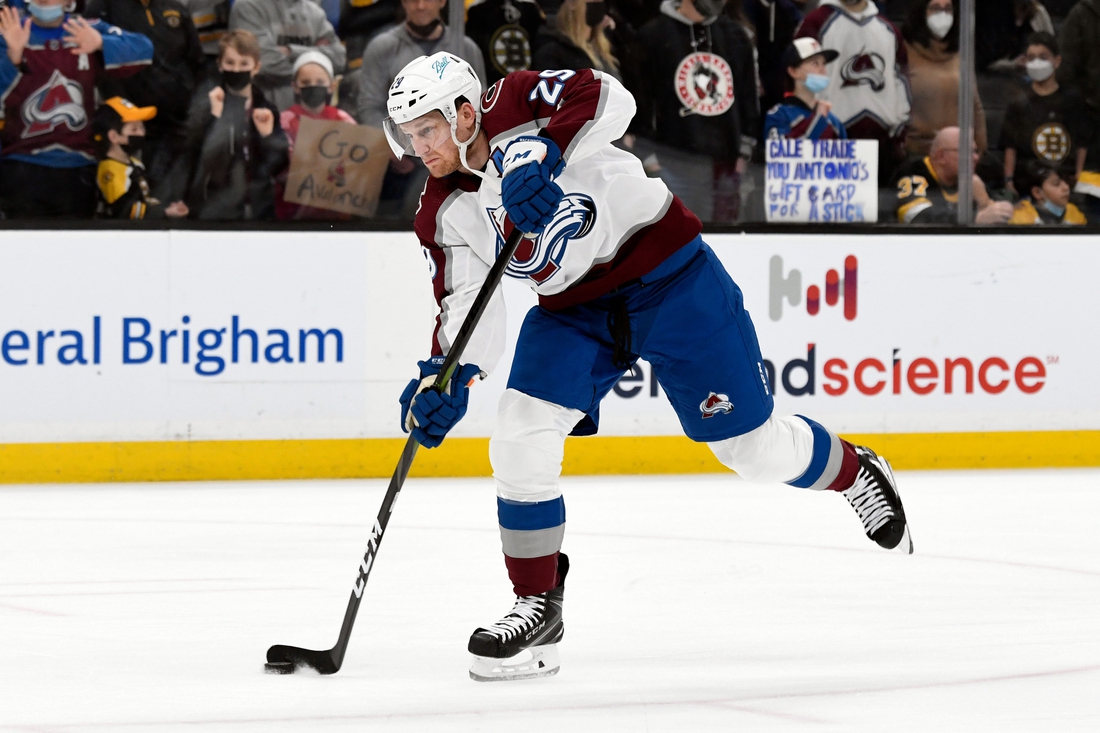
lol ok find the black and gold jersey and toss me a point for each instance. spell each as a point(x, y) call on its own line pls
point(1028, 213)
point(1048, 128)
point(123, 192)
point(921, 198)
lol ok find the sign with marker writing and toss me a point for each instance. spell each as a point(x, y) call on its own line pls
point(822, 181)
point(337, 166)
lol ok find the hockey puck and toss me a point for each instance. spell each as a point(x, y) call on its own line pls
point(279, 667)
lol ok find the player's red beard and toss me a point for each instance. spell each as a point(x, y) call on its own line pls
point(443, 161)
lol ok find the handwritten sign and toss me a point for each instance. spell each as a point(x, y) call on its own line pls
point(826, 181)
point(337, 166)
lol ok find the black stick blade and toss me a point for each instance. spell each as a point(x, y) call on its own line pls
point(287, 659)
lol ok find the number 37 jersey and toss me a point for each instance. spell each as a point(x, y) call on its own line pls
point(613, 225)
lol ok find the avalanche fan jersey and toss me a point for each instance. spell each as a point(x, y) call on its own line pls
point(868, 83)
point(48, 103)
point(613, 225)
point(794, 119)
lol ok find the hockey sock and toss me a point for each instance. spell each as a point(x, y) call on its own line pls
point(833, 464)
point(531, 534)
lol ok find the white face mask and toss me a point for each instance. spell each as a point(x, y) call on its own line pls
point(1039, 69)
point(940, 24)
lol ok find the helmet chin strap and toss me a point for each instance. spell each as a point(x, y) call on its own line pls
point(463, 145)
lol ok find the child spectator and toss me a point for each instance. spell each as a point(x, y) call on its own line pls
point(49, 65)
point(119, 132)
point(313, 87)
point(285, 29)
point(801, 114)
point(1050, 125)
point(237, 146)
point(931, 32)
point(576, 39)
point(1048, 198)
point(168, 83)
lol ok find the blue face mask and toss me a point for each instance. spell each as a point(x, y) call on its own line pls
point(816, 82)
point(45, 13)
point(1054, 209)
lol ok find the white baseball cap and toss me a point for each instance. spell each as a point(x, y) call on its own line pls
point(313, 57)
point(804, 48)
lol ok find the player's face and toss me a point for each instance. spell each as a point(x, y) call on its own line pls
point(1055, 190)
point(430, 136)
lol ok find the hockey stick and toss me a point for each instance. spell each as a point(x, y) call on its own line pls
point(287, 659)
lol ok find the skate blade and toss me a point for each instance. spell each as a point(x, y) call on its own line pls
point(538, 661)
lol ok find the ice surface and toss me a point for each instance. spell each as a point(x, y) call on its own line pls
point(694, 604)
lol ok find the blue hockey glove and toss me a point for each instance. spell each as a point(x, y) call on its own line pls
point(528, 191)
point(429, 414)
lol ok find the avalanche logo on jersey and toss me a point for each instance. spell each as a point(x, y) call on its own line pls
point(714, 404)
point(865, 68)
point(539, 259)
point(58, 101)
point(432, 268)
point(704, 85)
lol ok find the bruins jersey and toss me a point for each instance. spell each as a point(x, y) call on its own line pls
point(123, 192)
point(921, 198)
point(1027, 213)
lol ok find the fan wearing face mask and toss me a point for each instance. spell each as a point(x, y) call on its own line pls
point(931, 32)
point(118, 129)
point(801, 115)
point(313, 87)
point(50, 64)
point(235, 146)
point(1049, 125)
point(1047, 199)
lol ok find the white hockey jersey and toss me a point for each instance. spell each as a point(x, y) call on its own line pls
point(869, 82)
point(614, 224)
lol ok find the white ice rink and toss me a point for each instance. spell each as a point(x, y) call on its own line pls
point(694, 604)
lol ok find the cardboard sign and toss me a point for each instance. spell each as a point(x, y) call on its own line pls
point(822, 181)
point(337, 166)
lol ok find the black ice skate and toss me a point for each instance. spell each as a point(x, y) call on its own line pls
point(875, 497)
point(523, 644)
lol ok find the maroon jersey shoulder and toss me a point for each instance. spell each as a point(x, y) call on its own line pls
point(815, 20)
point(432, 199)
point(559, 103)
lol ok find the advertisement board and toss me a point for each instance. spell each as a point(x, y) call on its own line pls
point(198, 336)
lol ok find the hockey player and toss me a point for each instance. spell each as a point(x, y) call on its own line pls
point(621, 273)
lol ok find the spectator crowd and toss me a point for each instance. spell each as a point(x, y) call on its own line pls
point(136, 109)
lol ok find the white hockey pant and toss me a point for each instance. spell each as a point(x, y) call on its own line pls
point(528, 446)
